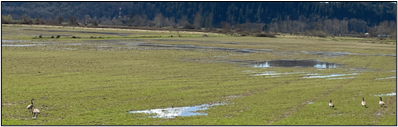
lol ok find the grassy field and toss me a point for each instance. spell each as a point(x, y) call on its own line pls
point(83, 81)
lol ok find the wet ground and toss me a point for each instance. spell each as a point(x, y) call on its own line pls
point(295, 63)
point(109, 33)
point(387, 94)
point(173, 112)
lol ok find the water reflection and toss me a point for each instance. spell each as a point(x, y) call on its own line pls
point(328, 76)
point(177, 111)
point(388, 94)
point(295, 63)
point(18, 45)
point(386, 77)
point(274, 74)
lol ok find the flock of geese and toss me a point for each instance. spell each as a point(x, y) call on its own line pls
point(363, 103)
point(36, 111)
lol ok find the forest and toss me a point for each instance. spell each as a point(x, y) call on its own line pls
point(331, 18)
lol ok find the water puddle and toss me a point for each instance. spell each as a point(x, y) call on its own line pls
point(196, 41)
point(386, 77)
point(340, 78)
point(388, 94)
point(378, 114)
point(310, 75)
point(327, 53)
point(178, 111)
point(120, 34)
point(310, 102)
point(344, 53)
point(18, 45)
point(328, 76)
point(274, 74)
point(7, 104)
point(202, 47)
point(11, 41)
point(295, 63)
point(337, 114)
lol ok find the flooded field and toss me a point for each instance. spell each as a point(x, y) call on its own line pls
point(192, 79)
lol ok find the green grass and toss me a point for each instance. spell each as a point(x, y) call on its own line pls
point(88, 85)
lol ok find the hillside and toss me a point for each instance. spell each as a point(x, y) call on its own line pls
point(332, 17)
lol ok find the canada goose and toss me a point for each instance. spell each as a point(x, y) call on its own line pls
point(30, 106)
point(363, 102)
point(35, 112)
point(381, 102)
point(331, 104)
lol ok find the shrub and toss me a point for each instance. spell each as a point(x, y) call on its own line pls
point(266, 35)
point(188, 26)
point(393, 35)
point(319, 34)
point(95, 23)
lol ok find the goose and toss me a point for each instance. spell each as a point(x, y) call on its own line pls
point(331, 104)
point(363, 102)
point(30, 106)
point(35, 112)
point(381, 102)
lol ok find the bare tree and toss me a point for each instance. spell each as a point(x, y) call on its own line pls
point(197, 20)
point(383, 28)
point(372, 32)
point(73, 20)
point(94, 22)
point(393, 35)
point(137, 19)
point(116, 21)
point(59, 20)
point(48, 21)
point(87, 19)
point(240, 27)
point(183, 20)
point(26, 19)
point(169, 22)
point(209, 21)
point(226, 26)
point(158, 20)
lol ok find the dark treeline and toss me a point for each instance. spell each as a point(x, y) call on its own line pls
point(333, 18)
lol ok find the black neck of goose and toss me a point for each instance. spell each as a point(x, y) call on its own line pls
point(330, 101)
point(381, 99)
point(363, 99)
point(31, 101)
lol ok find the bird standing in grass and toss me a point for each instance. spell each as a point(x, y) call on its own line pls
point(30, 106)
point(363, 102)
point(35, 112)
point(331, 104)
point(381, 102)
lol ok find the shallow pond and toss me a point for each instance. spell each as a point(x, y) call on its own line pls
point(178, 111)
